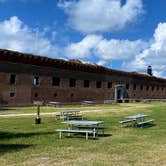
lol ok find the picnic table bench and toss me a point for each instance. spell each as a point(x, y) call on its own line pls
point(75, 117)
point(76, 131)
point(93, 127)
point(127, 122)
point(139, 124)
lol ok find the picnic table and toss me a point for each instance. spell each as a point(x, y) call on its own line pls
point(138, 117)
point(94, 126)
point(70, 114)
point(87, 103)
point(53, 104)
point(137, 120)
point(83, 122)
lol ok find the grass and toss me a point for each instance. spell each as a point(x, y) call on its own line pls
point(24, 143)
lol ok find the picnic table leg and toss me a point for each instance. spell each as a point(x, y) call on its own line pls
point(103, 131)
point(86, 135)
point(94, 133)
point(134, 124)
point(69, 129)
point(60, 135)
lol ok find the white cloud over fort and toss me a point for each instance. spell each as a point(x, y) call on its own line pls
point(154, 55)
point(89, 16)
point(136, 55)
point(113, 49)
point(15, 35)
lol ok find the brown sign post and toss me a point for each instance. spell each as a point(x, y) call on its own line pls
point(38, 104)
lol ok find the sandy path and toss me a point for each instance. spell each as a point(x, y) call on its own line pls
point(84, 111)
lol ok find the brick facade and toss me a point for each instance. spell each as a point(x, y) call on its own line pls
point(23, 68)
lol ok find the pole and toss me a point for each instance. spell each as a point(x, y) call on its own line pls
point(38, 119)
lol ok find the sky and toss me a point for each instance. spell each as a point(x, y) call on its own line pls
point(120, 34)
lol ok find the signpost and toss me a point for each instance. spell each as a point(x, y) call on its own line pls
point(38, 104)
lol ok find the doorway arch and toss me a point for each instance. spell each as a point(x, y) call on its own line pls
point(120, 93)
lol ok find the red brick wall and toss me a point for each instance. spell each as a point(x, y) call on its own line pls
point(25, 90)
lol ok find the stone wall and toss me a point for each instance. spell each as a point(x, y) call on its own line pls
point(24, 92)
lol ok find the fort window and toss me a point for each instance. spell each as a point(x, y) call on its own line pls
point(147, 87)
point(162, 88)
point(127, 86)
point(12, 94)
point(72, 94)
point(55, 81)
point(141, 87)
point(72, 82)
point(86, 83)
point(12, 79)
point(36, 94)
point(36, 81)
point(98, 84)
point(134, 87)
point(157, 87)
point(55, 94)
point(109, 85)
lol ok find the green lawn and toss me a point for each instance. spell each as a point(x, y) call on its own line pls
point(24, 143)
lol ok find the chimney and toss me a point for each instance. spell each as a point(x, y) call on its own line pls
point(149, 70)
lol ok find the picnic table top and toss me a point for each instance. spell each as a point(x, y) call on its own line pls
point(82, 122)
point(88, 101)
point(137, 116)
point(70, 111)
point(53, 102)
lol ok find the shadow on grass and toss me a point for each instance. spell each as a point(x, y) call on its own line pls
point(104, 135)
point(6, 109)
point(7, 148)
point(81, 135)
point(9, 135)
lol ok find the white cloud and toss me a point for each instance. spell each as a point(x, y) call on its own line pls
point(119, 49)
point(113, 49)
point(101, 15)
point(83, 49)
point(154, 55)
point(135, 55)
point(15, 35)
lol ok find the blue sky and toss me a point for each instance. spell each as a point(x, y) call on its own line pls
point(122, 34)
